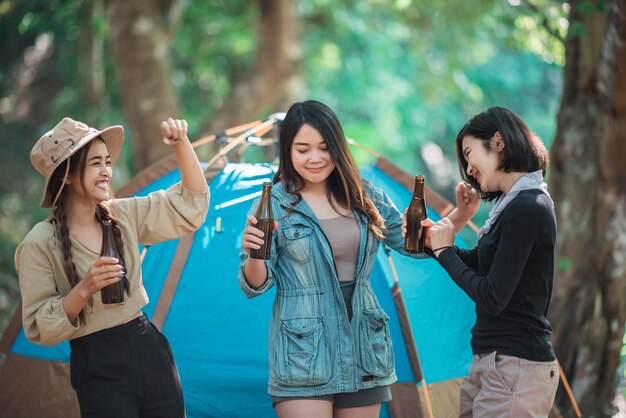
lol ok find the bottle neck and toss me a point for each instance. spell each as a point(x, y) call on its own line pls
point(265, 195)
point(418, 191)
point(264, 210)
point(107, 229)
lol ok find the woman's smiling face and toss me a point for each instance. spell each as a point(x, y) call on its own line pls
point(93, 182)
point(310, 156)
point(482, 162)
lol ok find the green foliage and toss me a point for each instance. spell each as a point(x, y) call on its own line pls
point(399, 74)
point(540, 27)
point(212, 47)
point(620, 374)
point(17, 216)
point(563, 264)
point(414, 73)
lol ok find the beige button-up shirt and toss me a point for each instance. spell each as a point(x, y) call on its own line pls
point(160, 216)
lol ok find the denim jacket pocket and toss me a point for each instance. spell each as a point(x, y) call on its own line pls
point(302, 354)
point(298, 241)
point(375, 341)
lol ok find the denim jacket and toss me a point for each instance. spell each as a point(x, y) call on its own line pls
point(313, 348)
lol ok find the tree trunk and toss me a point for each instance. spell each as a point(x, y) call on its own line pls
point(140, 42)
point(92, 59)
point(272, 81)
point(588, 184)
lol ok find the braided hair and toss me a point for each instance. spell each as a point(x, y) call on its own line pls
point(59, 217)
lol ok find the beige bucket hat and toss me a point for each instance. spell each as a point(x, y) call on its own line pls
point(67, 137)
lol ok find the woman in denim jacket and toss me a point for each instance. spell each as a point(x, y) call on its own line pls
point(329, 342)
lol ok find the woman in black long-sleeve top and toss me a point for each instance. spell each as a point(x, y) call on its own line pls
point(510, 272)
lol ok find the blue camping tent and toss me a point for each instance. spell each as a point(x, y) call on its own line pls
point(219, 337)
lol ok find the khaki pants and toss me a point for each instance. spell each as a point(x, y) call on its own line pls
point(505, 386)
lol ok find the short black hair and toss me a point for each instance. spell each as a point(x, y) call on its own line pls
point(523, 150)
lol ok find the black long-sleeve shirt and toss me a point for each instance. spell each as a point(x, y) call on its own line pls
point(509, 276)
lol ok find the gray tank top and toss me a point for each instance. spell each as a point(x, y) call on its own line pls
point(344, 237)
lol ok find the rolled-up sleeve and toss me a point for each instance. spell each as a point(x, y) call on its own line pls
point(270, 264)
point(243, 283)
point(44, 319)
point(165, 214)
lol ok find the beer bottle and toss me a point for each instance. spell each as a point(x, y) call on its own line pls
point(415, 234)
point(113, 293)
point(265, 222)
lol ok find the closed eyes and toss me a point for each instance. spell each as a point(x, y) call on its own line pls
point(304, 151)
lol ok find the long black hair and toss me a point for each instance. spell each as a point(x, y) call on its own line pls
point(344, 183)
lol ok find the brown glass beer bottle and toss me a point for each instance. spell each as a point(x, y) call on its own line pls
point(265, 222)
point(113, 293)
point(415, 214)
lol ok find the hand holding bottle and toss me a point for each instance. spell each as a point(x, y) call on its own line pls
point(113, 293)
point(255, 270)
point(101, 273)
point(414, 232)
point(264, 222)
point(441, 234)
point(253, 237)
point(425, 223)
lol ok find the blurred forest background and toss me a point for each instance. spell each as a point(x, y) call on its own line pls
point(403, 76)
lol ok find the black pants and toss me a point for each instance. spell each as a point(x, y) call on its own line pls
point(127, 371)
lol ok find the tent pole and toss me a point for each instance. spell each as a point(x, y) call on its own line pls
point(227, 132)
point(429, 408)
point(363, 147)
point(144, 251)
point(572, 399)
point(259, 129)
point(397, 295)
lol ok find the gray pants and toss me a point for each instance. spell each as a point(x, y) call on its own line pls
point(506, 386)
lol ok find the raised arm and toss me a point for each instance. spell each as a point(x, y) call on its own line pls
point(467, 204)
point(175, 135)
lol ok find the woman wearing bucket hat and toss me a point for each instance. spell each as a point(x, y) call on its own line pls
point(121, 365)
